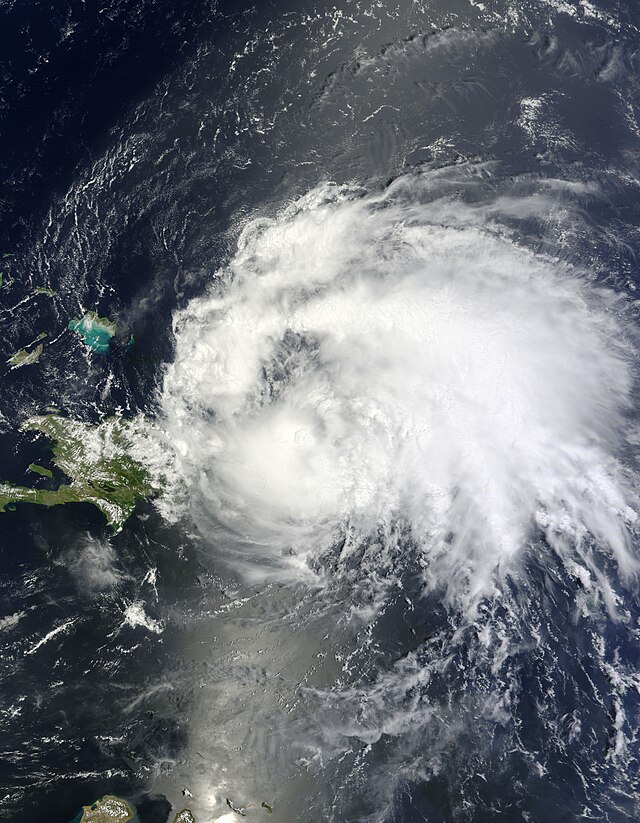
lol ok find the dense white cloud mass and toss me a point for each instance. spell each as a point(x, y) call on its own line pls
point(398, 357)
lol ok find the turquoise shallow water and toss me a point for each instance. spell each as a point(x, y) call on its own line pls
point(96, 332)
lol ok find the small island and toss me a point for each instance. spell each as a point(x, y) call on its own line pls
point(25, 357)
point(185, 816)
point(37, 469)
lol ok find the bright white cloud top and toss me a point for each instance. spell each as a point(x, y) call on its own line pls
point(374, 359)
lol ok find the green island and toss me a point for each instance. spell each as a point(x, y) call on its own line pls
point(97, 459)
point(25, 357)
point(34, 467)
point(44, 290)
point(96, 332)
point(111, 809)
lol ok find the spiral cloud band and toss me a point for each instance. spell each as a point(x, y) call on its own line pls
point(367, 359)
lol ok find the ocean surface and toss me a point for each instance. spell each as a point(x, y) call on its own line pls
point(373, 270)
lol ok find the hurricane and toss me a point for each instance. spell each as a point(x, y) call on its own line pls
point(368, 360)
point(417, 396)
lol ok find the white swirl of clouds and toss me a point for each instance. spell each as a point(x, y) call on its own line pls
point(398, 357)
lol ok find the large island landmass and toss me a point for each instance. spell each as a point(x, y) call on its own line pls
point(97, 459)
